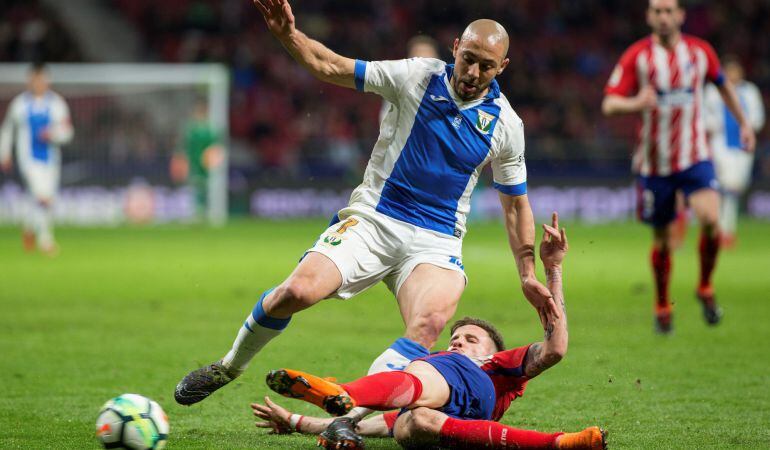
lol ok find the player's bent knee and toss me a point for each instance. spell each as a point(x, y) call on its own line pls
point(427, 327)
point(418, 427)
point(292, 296)
point(426, 422)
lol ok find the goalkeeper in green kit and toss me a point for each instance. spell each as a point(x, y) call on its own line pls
point(202, 152)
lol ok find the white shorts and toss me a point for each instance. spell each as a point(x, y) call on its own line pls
point(367, 247)
point(733, 168)
point(41, 178)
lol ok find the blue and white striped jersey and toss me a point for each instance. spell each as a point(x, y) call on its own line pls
point(30, 116)
point(724, 131)
point(433, 145)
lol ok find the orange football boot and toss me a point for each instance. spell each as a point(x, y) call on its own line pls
point(592, 438)
point(316, 390)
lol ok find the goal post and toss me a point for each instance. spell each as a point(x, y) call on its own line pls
point(128, 120)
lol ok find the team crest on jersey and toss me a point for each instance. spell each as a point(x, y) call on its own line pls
point(484, 121)
point(332, 239)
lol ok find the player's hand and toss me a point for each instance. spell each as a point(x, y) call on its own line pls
point(276, 417)
point(647, 98)
point(541, 299)
point(6, 165)
point(554, 245)
point(748, 138)
point(278, 16)
point(45, 135)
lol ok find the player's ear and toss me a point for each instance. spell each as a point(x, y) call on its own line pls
point(503, 65)
point(454, 47)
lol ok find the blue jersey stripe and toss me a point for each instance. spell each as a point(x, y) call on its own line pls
point(732, 129)
point(516, 189)
point(38, 120)
point(444, 148)
point(360, 74)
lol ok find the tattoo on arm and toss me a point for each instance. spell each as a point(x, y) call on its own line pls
point(548, 331)
point(533, 362)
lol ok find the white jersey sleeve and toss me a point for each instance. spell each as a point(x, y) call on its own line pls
point(61, 124)
point(508, 167)
point(388, 78)
point(754, 107)
point(8, 128)
point(712, 108)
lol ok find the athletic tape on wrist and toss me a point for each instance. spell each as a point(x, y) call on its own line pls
point(294, 421)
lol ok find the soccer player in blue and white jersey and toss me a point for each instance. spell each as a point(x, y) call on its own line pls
point(732, 162)
point(41, 120)
point(405, 223)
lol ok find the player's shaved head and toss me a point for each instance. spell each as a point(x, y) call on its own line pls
point(489, 32)
point(479, 57)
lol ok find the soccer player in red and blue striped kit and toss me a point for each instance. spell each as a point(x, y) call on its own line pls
point(453, 399)
point(662, 77)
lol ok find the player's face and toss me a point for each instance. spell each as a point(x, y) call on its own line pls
point(477, 63)
point(38, 83)
point(665, 17)
point(471, 340)
point(734, 72)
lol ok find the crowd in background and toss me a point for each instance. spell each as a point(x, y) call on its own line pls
point(561, 55)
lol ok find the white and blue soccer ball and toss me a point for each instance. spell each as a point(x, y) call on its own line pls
point(132, 421)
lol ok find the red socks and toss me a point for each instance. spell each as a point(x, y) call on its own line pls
point(474, 434)
point(709, 248)
point(385, 390)
point(661, 269)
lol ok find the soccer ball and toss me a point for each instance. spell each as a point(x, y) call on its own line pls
point(132, 421)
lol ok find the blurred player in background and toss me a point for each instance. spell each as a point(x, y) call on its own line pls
point(40, 119)
point(202, 152)
point(732, 162)
point(419, 46)
point(405, 223)
point(451, 399)
point(662, 77)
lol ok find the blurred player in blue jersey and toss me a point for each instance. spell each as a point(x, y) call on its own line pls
point(41, 121)
point(451, 399)
point(405, 223)
point(732, 162)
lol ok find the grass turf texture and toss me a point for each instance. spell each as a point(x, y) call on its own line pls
point(134, 309)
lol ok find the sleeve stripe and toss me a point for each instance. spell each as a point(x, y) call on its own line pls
point(516, 189)
point(720, 79)
point(360, 74)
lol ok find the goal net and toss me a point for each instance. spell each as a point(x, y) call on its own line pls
point(129, 121)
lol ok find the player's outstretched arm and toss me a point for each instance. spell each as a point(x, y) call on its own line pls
point(730, 97)
point(6, 138)
point(543, 355)
point(323, 63)
point(520, 225)
point(282, 421)
point(614, 104)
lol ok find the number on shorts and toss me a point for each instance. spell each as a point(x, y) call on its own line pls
point(347, 224)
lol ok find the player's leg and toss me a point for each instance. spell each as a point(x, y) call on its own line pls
point(733, 168)
point(315, 278)
point(656, 197)
point(420, 384)
point(700, 185)
point(427, 300)
point(705, 205)
point(347, 259)
point(43, 183)
point(424, 428)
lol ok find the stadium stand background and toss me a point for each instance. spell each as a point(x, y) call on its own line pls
point(288, 129)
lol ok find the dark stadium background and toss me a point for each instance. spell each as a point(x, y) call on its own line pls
point(291, 131)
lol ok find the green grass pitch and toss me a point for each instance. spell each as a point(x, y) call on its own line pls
point(134, 309)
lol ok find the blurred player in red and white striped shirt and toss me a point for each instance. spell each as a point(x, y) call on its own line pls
point(662, 77)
